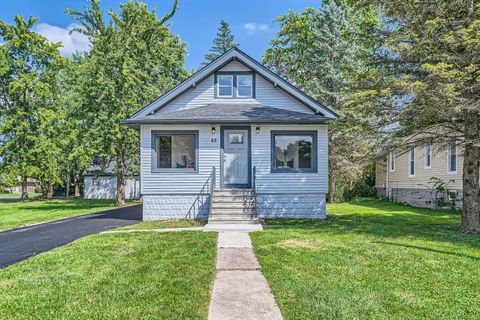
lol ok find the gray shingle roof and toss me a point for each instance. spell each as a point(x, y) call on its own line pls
point(231, 113)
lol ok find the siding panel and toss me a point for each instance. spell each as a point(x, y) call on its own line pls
point(266, 94)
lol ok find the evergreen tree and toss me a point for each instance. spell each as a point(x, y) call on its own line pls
point(222, 43)
point(325, 53)
point(434, 48)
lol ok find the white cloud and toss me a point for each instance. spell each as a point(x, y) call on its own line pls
point(252, 27)
point(71, 43)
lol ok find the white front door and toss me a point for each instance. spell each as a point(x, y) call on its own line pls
point(235, 151)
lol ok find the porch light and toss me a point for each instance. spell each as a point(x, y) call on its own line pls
point(213, 130)
point(257, 129)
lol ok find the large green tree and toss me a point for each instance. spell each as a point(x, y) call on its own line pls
point(223, 42)
point(325, 52)
point(434, 48)
point(29, 67)
point(133, 59)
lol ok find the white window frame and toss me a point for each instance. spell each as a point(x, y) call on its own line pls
point(427, 154)
point(449, 154)
point(218, 85)
point(238, 85)
point(411, 160)
point(391, 161)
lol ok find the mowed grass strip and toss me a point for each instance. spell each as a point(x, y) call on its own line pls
point(17, 214)
point(372, 260)
point(162, 224)
point(114, 276)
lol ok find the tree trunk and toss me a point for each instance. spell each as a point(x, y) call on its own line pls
point(471, 176)
point(49, 193)
point(333, 187)
point(67, 186)
point(120, 181)
point(76, 184)
point(24, 196)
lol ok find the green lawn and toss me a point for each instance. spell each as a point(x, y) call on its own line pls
point(161, 224)
point(16, 214)
point(372, 260)
point(17, 196)
point(114, 276)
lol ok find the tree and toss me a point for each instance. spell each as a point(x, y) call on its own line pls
point(28, 72)
point(434, 46)
point(222, 43)
point(133, 59)
point(325, 53)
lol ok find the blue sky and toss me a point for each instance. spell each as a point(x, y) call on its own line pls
point(196, 21)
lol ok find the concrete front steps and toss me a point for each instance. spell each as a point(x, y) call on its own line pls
point(233, 206)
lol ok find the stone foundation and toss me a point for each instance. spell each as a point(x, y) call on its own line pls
point(417, 197)
point(292, 205)
point(173, 206)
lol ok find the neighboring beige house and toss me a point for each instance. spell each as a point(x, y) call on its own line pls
point(405, 175)
point(31, 186)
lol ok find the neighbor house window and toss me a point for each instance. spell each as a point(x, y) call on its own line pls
point(428, 156)
point(174, 151)
point(391, 161)
point(411, 162)
point(95, 183)
point(294, 151)
point(235, 85)
point(245, 86)
point(225, 86)
point(452, 158)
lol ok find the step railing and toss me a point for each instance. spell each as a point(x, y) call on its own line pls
point(203, 202)
point(254, 190)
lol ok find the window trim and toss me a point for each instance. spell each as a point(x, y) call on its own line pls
point(312, 133)
point(430, 154)
point(449, 154)
point(411, 152)
point(156, 133)
point(234, 74)
point(391, 156)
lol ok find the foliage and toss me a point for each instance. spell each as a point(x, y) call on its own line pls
point(372, 259)
point(222, 43)
point(443, 197)
point(433, 46)
point(29, 108)
point(325, 52)
point(133, 59)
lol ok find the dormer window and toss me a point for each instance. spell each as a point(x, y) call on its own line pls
point(236, 85)
point(225, 86)
point(244, 86)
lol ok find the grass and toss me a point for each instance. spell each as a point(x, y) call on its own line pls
point(373, 260)
point(16, 214)
point(162, 224)
point(114, 276)
point(17, 195)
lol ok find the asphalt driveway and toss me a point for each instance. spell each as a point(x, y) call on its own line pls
point(22, 243)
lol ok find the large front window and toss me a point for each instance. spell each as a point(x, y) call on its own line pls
point(174, 151)
point(294, 152)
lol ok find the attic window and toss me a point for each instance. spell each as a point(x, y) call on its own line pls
point(225, 86)
point(235, 85)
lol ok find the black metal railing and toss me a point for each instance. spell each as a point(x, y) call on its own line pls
point(254, 189)
point(202, 206)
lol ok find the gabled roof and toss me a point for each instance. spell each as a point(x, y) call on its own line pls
point(235, 54)
point(230, 114)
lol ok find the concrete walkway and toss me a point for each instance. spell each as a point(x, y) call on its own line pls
point(240, 290)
